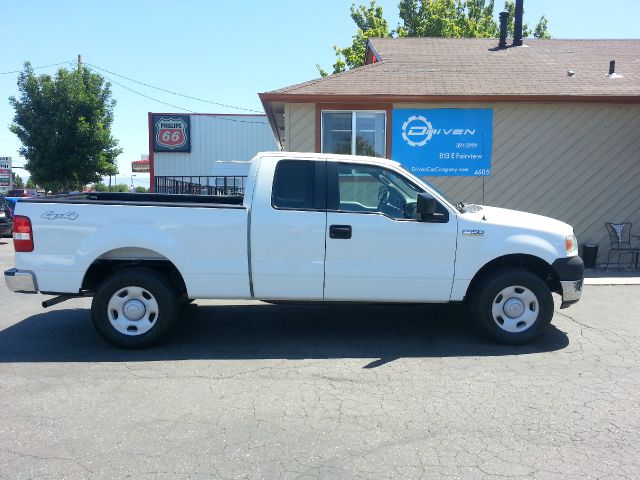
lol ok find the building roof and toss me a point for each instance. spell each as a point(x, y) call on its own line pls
point(474, 70)
point(475, 67)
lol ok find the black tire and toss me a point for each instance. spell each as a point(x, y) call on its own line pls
point(495, 316)
point(156, 318)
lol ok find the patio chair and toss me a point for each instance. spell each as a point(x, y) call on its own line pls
point(620, 238)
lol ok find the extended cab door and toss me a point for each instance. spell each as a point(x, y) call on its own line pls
point(287, 230)
point(376, 248)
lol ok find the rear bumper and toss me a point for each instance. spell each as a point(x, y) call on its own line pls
point(6, 228)
point(21, 281)
point(570, 272)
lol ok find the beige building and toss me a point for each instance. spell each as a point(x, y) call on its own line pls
point(562, 137)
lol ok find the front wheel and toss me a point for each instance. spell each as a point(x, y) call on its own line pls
point(134, 308)
point(512, 306)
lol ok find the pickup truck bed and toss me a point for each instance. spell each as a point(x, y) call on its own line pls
point(160, 199)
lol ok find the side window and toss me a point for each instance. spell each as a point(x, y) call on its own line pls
point(299, 185)
point(370, 189)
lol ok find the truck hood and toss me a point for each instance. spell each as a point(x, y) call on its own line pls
point(503, 217)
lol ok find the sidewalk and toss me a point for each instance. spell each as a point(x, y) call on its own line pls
point(600, 276)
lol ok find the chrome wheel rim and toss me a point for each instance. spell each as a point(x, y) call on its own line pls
point(515, 309)
point(132, 311)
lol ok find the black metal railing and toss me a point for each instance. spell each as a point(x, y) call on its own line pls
point(200, 185)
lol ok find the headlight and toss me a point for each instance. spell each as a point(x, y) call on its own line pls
point(571, 245)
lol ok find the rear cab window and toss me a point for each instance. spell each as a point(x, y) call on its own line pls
point(299, 185)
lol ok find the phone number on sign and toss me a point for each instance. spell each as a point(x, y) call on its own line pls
point(467, 145)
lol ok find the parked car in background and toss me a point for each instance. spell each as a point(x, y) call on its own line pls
point(23, 192)
point(6, 217)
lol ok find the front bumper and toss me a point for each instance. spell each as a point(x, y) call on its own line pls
point(570, 273)
point(21, 281)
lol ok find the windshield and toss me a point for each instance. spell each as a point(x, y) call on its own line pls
point(411, 191)
point(459, 205)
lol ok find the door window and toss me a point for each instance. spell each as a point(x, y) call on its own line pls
point(370, 189)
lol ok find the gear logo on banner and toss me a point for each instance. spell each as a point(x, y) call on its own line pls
point(417, 131)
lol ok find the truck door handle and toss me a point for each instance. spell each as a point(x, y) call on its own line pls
point(340, 231)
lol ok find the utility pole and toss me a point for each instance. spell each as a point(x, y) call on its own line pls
point(79, 62)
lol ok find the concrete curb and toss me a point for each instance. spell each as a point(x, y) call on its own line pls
point(612, 281)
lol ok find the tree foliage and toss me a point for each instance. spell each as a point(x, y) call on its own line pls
point(371, 24)
point(427, 18)
point(64, 124)
point(101, 187)
point(17, 181)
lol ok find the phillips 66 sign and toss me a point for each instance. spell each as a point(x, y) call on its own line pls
point(171, 133)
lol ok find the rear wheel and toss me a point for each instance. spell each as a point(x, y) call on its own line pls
point(512, 306)
point(134, 308)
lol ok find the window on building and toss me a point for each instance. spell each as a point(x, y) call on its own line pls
point(354, 132)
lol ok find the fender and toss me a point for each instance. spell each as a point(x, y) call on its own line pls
point(474, 253)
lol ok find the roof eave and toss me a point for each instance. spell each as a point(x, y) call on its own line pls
point(266, 104)
point(266, 98)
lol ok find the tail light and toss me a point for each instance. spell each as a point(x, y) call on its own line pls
point(22, 234)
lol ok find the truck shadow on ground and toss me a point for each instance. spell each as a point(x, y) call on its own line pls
point(262, 331)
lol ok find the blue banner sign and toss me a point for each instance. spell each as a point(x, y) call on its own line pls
point(446, 142)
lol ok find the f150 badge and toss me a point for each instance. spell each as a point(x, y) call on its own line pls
point(51, 215)
point(473, 233)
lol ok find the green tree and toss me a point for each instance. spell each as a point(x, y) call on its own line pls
point(100, 187)
point(141, 190)
point(17, 181)
point(447, 18)
point(541, 30)
point(371, 24)
point(427, 18)
point(31, 184)
point(64, 124)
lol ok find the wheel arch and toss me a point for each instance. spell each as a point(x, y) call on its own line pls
point(120, 258)
point(532, 263)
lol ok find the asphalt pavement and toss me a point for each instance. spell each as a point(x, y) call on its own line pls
point(246, 390)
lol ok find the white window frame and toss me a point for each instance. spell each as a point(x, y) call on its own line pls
point(353, 128)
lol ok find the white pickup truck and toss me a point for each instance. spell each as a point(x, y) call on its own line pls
point(310, 227)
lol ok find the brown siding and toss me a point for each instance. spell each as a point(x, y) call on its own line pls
point(300, 127)
point(577, 163)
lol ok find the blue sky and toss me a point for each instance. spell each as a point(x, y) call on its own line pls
point(225, 52)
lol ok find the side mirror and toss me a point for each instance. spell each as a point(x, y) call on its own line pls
point(426, 205)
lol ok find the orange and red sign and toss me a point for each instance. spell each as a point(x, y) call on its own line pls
point(171, 133)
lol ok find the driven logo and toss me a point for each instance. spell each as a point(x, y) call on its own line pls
point(417, 131)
